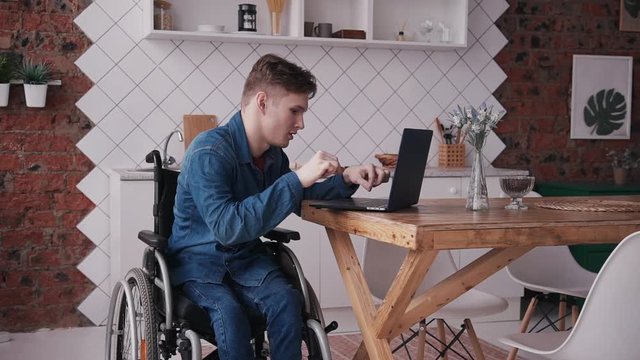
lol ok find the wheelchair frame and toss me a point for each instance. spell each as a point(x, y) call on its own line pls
point(165, 334)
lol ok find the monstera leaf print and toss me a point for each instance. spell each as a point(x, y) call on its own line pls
point(605, 111)
point(632, 7)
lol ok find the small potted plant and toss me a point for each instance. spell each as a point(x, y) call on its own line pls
point(622, 162)
point(6, 71)
point(35, 77)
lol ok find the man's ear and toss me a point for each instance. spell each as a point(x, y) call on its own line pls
point(261, 101)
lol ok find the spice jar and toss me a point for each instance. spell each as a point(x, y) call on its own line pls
point(162, 19)
point(247, 17)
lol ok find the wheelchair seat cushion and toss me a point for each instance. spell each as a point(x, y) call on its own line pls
point(196, 317)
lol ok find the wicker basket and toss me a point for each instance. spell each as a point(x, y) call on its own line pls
point(451, 155)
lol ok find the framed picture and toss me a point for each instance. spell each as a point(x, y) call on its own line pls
point(601, 97)
point(629, 15)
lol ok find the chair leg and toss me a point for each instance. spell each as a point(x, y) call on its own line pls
point(442, 335)
point(477, 349)
point(575, 312)
point(422, 338)
point(524, 324)
point(562, 312)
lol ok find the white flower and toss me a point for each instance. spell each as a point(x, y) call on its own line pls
point(476, 123)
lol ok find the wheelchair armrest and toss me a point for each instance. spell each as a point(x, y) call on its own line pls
point(154, 240)
point(282, 235)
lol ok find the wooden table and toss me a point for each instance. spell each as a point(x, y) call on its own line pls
point(435, 225)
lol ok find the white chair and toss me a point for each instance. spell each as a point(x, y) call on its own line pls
point(381, 262)
point(607, 327)
point(550, 270)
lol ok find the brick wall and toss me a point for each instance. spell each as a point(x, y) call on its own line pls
point(543, 36)
point(39, 169)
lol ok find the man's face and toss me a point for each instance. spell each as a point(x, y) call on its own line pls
point(283, 117)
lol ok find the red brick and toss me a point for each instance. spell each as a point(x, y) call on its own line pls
point(71, 202)
point(63, 276)
point(40, 219)
point(49, 161)
point(10, 162)
point(24, 201)
point(11, 142)
point(23, 238)
point(38, 258)
point(36, 182)
point(69, 237)
point(48, 143)
point(16, 296)
point(64, 294)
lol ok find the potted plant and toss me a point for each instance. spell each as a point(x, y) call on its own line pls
point(622, 162)
point(6, 71)
point(35, 77)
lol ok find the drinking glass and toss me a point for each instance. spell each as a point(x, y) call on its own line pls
point(516, 187)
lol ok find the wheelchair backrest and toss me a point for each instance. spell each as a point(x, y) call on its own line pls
point(164, 197)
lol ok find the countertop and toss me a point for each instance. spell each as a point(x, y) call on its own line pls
point(147, 174)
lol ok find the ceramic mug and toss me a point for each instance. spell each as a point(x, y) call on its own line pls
point(323, 30)
point(308, 28)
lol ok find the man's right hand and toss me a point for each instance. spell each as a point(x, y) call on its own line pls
point(321, 165)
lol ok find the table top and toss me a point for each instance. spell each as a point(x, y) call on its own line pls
point(446, 224)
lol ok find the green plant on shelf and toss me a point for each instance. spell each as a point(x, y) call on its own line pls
point(34, 73)
point(626, 159)
point(6, 68)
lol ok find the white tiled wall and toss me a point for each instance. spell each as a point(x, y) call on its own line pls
point(365, 98)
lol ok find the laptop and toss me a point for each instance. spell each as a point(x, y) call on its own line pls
point(406, 181)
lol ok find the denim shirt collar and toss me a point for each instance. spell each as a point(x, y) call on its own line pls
point(241, 143)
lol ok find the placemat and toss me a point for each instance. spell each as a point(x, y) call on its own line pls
point(591, 205)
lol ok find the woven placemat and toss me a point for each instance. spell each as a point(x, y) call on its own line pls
point(591, 205)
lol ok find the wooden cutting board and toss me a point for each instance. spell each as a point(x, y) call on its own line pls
point(195, 124)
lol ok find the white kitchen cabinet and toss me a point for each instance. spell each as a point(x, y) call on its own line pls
point(380, 19)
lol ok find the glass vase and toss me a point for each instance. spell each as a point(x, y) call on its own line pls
point(477, 198)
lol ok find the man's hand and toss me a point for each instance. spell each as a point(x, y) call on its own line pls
point(321, 165)
point(367, 176)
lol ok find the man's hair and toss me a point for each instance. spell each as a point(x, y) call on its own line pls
point(272, 73)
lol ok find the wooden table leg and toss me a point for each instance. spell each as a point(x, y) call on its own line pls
point(359, 293)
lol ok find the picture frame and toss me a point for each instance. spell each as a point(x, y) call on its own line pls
point(629, 15)
point(601, 97)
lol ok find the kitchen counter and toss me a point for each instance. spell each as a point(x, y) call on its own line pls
point(147, 173)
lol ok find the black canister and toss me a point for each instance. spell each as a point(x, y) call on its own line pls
point(247, 17)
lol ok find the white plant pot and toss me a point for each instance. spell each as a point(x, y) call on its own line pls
point(35, 95)
point(4, 95)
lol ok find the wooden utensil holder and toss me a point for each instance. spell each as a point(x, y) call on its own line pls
point(451, 155)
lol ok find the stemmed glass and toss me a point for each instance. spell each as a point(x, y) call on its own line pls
point(516, 187)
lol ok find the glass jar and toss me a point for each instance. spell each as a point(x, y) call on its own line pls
point(162, 19)
point(247, 17)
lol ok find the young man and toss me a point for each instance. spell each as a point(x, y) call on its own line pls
point(234, 187)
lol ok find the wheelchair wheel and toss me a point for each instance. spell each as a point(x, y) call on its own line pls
point(140, 306)
point(314, 336)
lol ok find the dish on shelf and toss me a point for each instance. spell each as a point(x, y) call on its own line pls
point(210, 28)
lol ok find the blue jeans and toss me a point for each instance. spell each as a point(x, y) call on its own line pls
point(229, 306)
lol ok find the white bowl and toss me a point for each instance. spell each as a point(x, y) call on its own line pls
point(211, 28)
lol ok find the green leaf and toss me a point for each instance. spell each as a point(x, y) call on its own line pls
point(632, 7)
point(605, 111)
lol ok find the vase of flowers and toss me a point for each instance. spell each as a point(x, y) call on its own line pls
point(475, 125)
point(622, 162)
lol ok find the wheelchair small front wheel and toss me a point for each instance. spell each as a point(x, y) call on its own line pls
point(132, 334)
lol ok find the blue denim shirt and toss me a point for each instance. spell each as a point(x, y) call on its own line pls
point(224, 203)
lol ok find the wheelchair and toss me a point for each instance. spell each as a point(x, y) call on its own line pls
point(148, 319)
